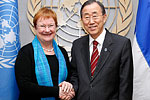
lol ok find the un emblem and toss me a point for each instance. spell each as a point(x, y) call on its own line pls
point(119, 16)
point(9, 29)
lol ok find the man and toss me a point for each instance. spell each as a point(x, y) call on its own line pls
point(109, 74)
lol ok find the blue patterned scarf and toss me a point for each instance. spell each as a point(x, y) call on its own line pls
point(42, 68)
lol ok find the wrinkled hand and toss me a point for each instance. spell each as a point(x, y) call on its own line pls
point(66, 91)
point(66, 86)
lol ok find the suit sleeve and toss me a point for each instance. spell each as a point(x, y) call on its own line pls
point(126, 72)
point(74, 75)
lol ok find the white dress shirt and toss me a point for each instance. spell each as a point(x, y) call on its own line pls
point(99, 39)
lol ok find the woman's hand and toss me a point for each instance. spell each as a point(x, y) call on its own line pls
point(66, 91)
point(66, 86)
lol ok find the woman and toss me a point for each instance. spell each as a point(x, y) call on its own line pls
point(42, 65)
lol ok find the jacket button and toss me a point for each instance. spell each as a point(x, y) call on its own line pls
point(91, 86)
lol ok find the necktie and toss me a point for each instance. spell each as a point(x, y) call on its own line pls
point(94, 57)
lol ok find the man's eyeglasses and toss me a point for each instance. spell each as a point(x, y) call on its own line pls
point(93, 17)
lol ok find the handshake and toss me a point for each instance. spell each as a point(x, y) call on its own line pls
point(66, 91)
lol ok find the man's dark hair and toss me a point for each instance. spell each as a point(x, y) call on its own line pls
point(90, 2)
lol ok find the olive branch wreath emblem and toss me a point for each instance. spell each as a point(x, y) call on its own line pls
point(33, 7)
point(123, 18)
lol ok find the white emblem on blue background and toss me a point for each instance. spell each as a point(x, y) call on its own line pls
point(9, 34)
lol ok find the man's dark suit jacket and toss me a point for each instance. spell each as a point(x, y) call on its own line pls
point(113, 77)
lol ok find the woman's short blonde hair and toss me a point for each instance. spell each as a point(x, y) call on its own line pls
point(45, 13)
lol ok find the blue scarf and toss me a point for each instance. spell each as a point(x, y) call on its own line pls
point(42, 68)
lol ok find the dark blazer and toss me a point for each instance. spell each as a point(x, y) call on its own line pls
point(113, 77)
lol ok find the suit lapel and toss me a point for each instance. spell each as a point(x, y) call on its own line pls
point(85, 54)
point(105, 52)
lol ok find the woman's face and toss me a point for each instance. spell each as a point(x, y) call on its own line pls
point(45, 29)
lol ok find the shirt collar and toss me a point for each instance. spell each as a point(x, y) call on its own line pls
point(99, 39)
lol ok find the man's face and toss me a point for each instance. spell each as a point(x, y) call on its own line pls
point(93, 19)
